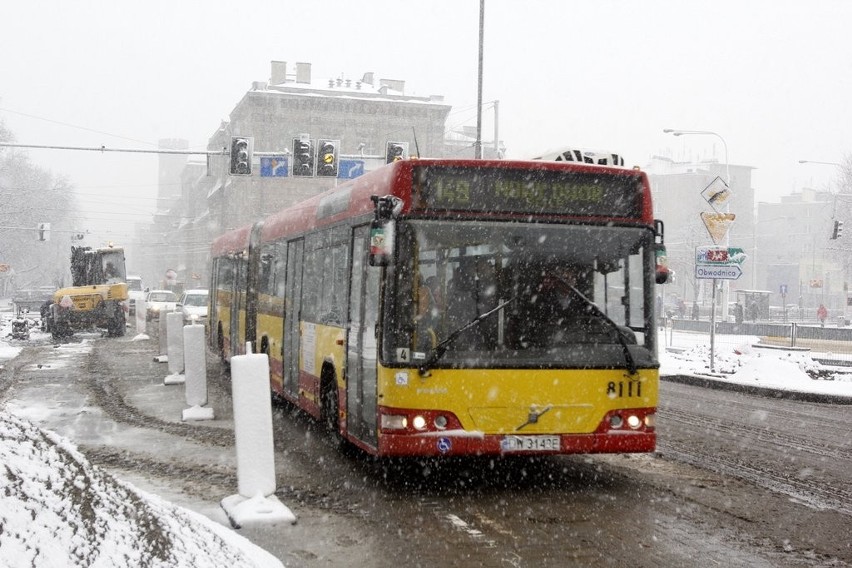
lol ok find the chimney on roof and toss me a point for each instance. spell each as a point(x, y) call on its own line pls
point(279, 73)
point(303, 73)
point(393, 84)
point(368, 78)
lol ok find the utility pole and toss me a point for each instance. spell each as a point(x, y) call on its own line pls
point(477, 146)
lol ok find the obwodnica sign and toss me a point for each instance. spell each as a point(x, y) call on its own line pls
point(723, 272)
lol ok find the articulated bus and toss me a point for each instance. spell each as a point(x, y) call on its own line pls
point(456, 307)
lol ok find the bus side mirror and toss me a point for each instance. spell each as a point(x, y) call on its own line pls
point(661, 260)
point(381, 242)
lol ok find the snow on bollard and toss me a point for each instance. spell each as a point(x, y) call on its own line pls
point(141, 308)
point(195, 374)
point(255, 503)
point(174, 331)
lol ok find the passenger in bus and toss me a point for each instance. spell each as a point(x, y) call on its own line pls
point(552, 313)
point(426, 320)
point(471, 293)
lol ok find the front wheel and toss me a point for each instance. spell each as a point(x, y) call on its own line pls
point(117, 324)
point(330, 411)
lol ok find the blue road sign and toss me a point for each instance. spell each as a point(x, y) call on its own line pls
point(273, 166)
point(350, 169)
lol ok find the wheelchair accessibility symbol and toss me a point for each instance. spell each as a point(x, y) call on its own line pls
point(444, 445)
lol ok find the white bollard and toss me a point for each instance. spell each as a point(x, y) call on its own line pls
point(253, 424)
point(255, 502)
point(163, 336)
point(195, 374)
point(141, 310)
point(174, 340)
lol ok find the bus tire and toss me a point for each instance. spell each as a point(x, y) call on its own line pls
point(220, 343)
point(330, 412)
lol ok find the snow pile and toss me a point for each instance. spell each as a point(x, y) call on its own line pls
point(749, 365)
point(56, 509)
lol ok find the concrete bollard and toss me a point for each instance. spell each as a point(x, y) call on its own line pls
point(195, 374)
point(141, 309)
point(162, 336)
point(174, 341)
point(255, 502)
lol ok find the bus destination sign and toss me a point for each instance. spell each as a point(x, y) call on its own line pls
point(543, 191)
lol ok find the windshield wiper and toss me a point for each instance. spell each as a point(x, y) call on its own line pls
point(438, 351)
point(593, 309)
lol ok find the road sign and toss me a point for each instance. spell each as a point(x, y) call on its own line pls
point(350, 169)
point(716, 193)
point(783, 289)
point(719, 255)
point(273, 166)
point(718, 272)
point(717, 224)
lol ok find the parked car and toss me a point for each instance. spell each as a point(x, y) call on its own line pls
point(193, 305)
point(159, 301)
point(135, 292)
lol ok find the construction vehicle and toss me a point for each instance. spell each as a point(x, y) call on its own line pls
point(97, 298)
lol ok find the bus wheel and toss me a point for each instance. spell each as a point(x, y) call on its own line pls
point(330, 412)
point(220, 343)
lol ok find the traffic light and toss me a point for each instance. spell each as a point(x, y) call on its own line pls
point(241, 149)
point(396, 151)
point(44, 231)
point(838, 230)
point(303, 157)
point(327, 163)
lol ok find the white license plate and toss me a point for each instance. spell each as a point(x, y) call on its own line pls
point(530, 444)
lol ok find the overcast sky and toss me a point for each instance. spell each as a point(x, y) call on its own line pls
point(772, 77)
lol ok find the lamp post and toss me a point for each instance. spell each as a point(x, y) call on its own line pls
point(725, 283)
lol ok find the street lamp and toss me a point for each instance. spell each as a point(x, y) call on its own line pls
point(816, 162)
point(675, 132)
point(726, 290)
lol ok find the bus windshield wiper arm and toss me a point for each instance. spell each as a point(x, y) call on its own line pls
point(596, 311)
point(438, 351)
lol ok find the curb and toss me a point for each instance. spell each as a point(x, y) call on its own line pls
point(767, 392)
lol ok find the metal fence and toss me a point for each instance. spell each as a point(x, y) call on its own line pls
point(831, 344)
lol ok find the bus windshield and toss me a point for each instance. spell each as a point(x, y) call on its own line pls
point(530, 295)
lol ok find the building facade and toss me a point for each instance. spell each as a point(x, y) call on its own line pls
point(362, 115)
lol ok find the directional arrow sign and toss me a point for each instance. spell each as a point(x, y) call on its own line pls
point(718, 272)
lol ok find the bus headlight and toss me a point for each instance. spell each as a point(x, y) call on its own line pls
point(441, 422)
point(394, 422)
point(419, 422)
point(650, 420)
point(634, 421)
point(616, 421)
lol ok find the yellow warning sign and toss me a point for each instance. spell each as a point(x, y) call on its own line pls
point(717, 225)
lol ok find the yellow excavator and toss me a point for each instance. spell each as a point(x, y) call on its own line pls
point(97, 298)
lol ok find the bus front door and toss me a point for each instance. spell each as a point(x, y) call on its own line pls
point(292, 309)
point(361, 395)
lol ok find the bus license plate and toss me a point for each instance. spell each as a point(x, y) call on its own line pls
point(530, 444)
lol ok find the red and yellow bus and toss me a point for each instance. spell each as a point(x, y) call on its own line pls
point(457, 307)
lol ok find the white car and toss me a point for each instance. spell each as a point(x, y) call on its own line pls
point(135, 292)
point(193, 305)
point(159, 301)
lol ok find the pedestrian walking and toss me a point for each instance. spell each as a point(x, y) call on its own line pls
point(822, 314)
